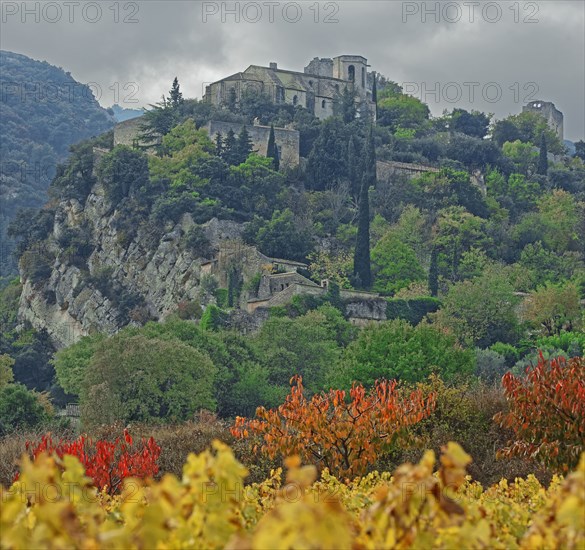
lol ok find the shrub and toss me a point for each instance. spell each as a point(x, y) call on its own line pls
point(413, 310)
point(508, 351)
point(221, 296)
point(547, 412)
point(332, 433)
point(20, 408)
point(396, 350)
point(189, 309)
point(213, 318)
point(209, 283)
point(106, 463)
point(195, 241)
point(572, 343)
point(490, 366)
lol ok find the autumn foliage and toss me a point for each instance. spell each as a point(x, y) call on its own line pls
point(107, 463)
point(331, 431)
point(547, 412)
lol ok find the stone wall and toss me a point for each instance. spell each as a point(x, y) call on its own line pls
point(386, 169)
point(287, 140)
point(547, 109)
point(128, 133)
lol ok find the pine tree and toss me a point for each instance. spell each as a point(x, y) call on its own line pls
point(434, 273)
point(243, 145)
point(361, 261)
point(272, 149)
point(176, 97)
point(219, 148)
point(230, 149)
point(542, 168)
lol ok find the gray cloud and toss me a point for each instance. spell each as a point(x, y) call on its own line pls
point(171, 39)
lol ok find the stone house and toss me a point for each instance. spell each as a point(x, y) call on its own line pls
point(316, 88)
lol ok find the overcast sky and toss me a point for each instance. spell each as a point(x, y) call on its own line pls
point(492, 56)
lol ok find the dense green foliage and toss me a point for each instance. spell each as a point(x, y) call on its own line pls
point(130, 378)
point(478, 273)
point(43, 111)
point(19, 409)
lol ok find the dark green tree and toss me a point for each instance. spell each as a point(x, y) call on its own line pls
point(474, 123)
point(542, 168)
point(361, 261)
point(580, 150)
point(434, 273)
point(219, 148)
point(176, 97)
point(344, 106)
point(244, 145)
point(230, 149)
point(272, 149)
point(353, 168)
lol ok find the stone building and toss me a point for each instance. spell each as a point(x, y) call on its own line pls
point(287, 140)
point(128, 133)
point(316, 89)
point(547, 109)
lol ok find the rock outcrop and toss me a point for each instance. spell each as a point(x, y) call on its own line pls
point(129, 277)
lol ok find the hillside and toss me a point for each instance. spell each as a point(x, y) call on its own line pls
point(44, 111)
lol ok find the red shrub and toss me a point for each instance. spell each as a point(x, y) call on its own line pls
point(107, 463)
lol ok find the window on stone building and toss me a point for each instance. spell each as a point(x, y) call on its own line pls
point(363, 77)
point(323, 104)
point(311, 83)
point(279, 93)
point(295, 100)
point(351, 73)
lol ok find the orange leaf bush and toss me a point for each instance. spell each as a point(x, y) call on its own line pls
point(342, 435)
point(547, 412)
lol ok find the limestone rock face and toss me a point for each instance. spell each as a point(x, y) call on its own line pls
point(136, 271)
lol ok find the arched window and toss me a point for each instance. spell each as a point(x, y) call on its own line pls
point(351, 73)
point(295, 100)
point(311, 83)
point(363, 77)
point(323, 104)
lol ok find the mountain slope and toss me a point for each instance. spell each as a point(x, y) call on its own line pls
point(43, 111)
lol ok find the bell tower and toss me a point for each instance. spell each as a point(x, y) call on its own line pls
point(353, 68)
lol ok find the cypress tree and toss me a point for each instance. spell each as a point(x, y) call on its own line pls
point(353, 168)
point(434, 273)
point(176, 97)
point(375, 94)
point(361, 261)
point(230, 149)
point(543, 156)
point(243, 145)
point(272, 149)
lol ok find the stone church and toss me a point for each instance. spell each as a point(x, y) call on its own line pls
point(316, 89)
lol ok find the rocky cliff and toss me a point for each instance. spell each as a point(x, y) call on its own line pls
point(124, 277)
